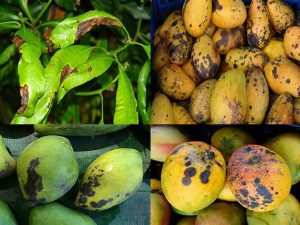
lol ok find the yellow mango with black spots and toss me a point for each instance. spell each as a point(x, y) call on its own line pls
point(228, 14)
point(291, 42)
point(161, 110)
point(181, 114)
point(245, 58)
point(226, 39)
point(174, 82)
point(283, 75)
point(205, 57)
point(196, 21)
point(179, 43)
point(281, 15)
point(257, 96)
point(200, 101)
point(189, 69)
point(164, 28)
point(258, 26)
point(275, 49)
point(210, 30)
point(281, 111)
point(296, 110)
point(160, 56)
point(259, 178)
point(193, 176)
point(228, 101)
point(226, 194)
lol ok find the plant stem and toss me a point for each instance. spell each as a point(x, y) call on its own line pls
point(138, 29)
point(42, 12)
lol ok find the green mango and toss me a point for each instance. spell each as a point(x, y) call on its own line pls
point(6, 215)
point(57, 214)
point(47, 169)
point(110, 179)
point(7, 163)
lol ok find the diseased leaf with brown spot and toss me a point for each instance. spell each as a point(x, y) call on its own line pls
point(70, 29)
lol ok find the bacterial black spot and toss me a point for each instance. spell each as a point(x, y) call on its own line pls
point(34, 182)
point(101, 203)
point(216, 5)
point(263, 191)
point(244, 192)
point(83, 199)
point(257, 180)
point(244, 183)
point(186, 181)
point(248, 150)
point(188, 163)
point(86, 189)
point(190, 172)
point(204, 176)
point(254, 204)
point(274, 72)
point(254, 160)
point(175, 151)
point(210, 155)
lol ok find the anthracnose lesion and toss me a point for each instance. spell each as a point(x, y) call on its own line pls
point(34, 182)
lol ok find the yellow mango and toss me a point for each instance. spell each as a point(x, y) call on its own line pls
point(181, 114)
point(161, 110)
point(275, 49)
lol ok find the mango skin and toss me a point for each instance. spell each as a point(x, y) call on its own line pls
point(288, 213)
point(6, 215)
point(47, 169)
point(179, 43)
point(283, 76)
point(221, 213)
point(200, 101)
point(259, 178)
point(228, 98)
point(210, 30)
point(258, 26)
point(226, 194)
point(161, 110)
point(229, 139)
point(57, 214)
point(245, 58)
point(193, 176)
point(281, 111)
point(287, 145)
point(196, 21)
point(164, 29)
point(291, 42)
point(281, 15)
point(160, 210)
point(110, 179)
point(205, 57)
point(187, 221)
point(181, 114)
point(155, 186)
point(7, 162)
point(160, 56)
point(257, 96)
point(226, 39)
point(189, 69)
point(228, 14)
point(296, 110)
point(174, 82)
point(163, 140)
point(275, 49)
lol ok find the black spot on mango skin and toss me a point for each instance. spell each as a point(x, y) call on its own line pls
point(186, 181)
point(34, 182)
point(204, 176)
point(263, 191)
point(101, 203)
point(176, 150)
point(248, 150)
point(257, 180)
point(244, 192)
point(274, 72)
point(254, 160)
point(82, 200)
point(190, 172)
point(216, 5)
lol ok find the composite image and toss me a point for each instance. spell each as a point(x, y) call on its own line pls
point(150, 112)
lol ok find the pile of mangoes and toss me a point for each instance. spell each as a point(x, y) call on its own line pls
point(221, 62)
point(231, 181)
point(47, 169)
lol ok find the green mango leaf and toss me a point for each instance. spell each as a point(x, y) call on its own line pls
point(62, 63)
point(24, 6)
point(9, 26)
point(8, 15)
point(70, 29)
point(67, 4)
point(85, 72)
point(126, 104)
point(8, 52)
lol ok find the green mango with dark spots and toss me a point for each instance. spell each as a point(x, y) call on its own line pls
point(47, 169)
point(57, 214)
point(6, 215)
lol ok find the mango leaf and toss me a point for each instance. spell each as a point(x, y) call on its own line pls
point(7, 15)
point(24, 6)
point(126, 104)
point(61, 65)
point(67, 4)
point(8, 52)
point(70, 29)
point(85, 72)
point(8, 26)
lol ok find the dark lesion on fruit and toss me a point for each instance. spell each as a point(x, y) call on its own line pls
point(101, 203)
point(86, 26)
point(254, 160)
point(24, 98)
point(34, 182)
point(204, 176)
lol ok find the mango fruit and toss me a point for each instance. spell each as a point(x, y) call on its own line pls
point(296, 110)
point(185, 213)
point(57, 214)
point(226, 194)
point(110, 179)
point(228, 98)
point(161, 110)
point(47, 169)
point(287, 145)
point(190, 220)
point(288, 213)
point(7, 162)
point(291, 42)
point(163, 140)
point(193, 176)
point(155, 186)
point(189, 69)
point(160, 210)
point(221, 213)
point(6, 215)
point(229, 139)
point(275, 49)
point(181, 114)
point(160, 56)
point(259, 178)
point(164, 29)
